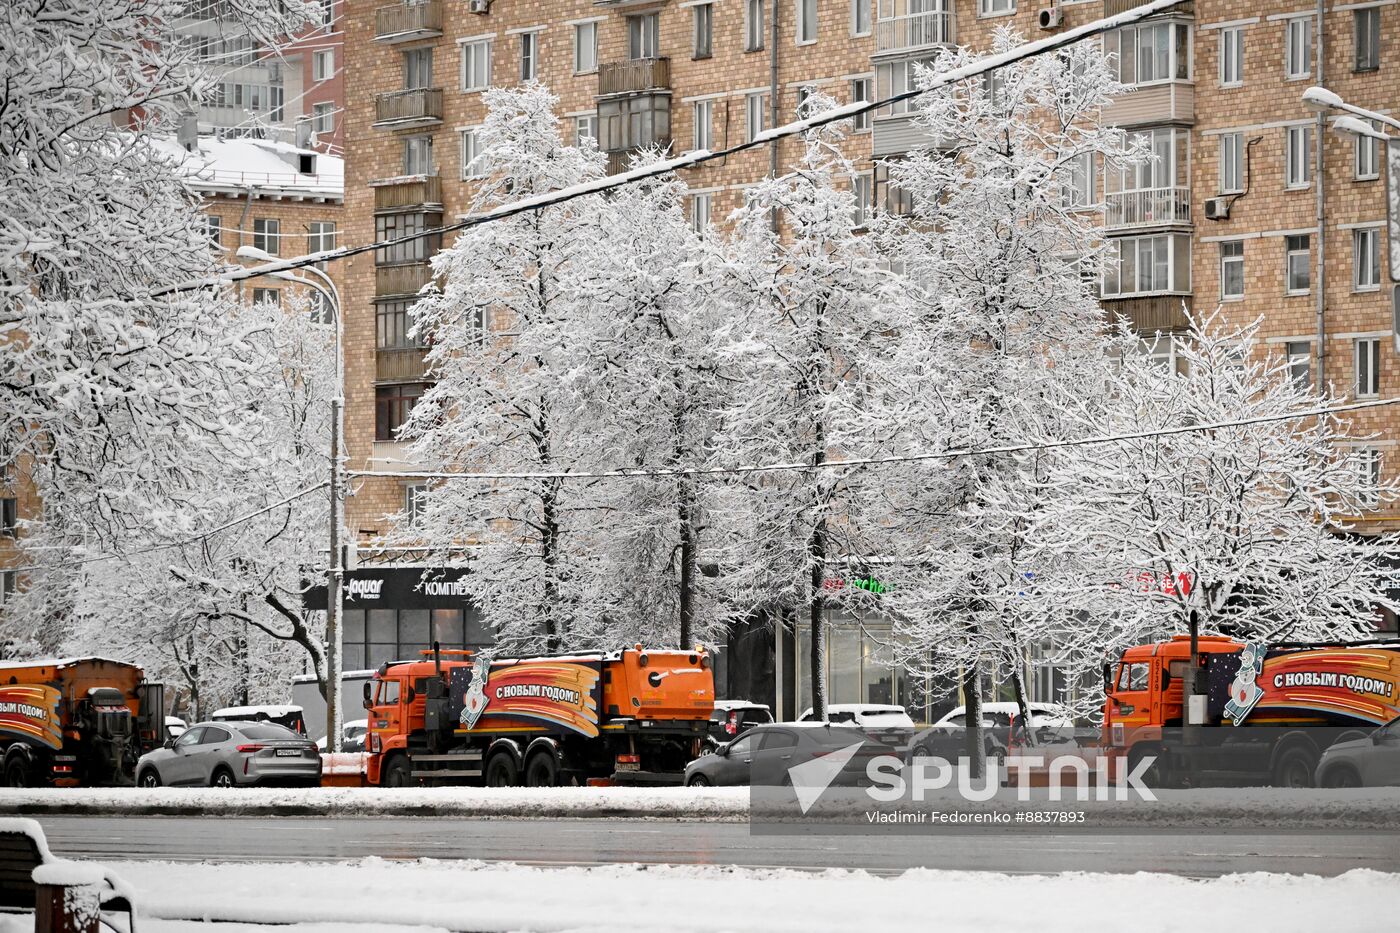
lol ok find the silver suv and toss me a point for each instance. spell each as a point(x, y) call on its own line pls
point(227, 754)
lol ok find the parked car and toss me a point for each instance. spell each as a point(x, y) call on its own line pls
point(732, 718)
point(174, 726)
point(764, 754)
point(352, 736)
point(290, 716)
point(882, 721)
point(1365, 761)
point(227, 754)
point(946, 738)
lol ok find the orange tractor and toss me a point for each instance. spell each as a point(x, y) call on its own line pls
point(633, 716)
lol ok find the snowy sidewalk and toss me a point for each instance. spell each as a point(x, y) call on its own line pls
point(374, 894)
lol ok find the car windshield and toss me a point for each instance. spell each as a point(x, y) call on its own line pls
point(266, 731)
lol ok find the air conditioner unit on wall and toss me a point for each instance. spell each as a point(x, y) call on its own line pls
point(1217, 208)
point(1051, 17)
point(479, 6)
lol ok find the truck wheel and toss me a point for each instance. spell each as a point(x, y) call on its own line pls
point(17, 772)
point(149, 778)
point(501, 771)
point(397, 773)
point(542, 770)
point(223, 777)
point(1155, 776)
point(1294, 768)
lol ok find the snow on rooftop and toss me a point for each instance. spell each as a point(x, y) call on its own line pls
point(236, 165)
point(54, 662)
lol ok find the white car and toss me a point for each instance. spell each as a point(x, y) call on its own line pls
point(1001, 713)
point(868, 715)
point(175, 726)
point(352, 736)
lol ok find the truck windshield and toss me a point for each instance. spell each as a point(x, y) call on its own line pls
point(1133, 676)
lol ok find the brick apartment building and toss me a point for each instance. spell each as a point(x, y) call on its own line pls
point(1215, 86)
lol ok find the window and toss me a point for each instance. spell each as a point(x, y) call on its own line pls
point(9, 516)
point(1232, 56)
point(396, 226)
point(1366, 30)
point(1299, 363)
point(704, 114)
point(1133, 677)
point(274, 104)
point(700, 211)
point(860, 91)
point(417, 68)
point(1297, 47)
point(320, 235)
point(476, 65)
point(804, 94)
point(1367, 159)
point(755, 114)
point(860, 17)
point(529, 56)
point(585, 127)
point(1298, 157)
point(1077, 187)
point(214, 229)
point(322, 64)
point(995, 7)
point(1368, 476)
point(1166, 149)
point(391, 407)
point(418, 155)
point(895, 78)
point(1155, 52)
point(267, 234)
point(863, 191)
point(393, 320)
point(643, 35)
point(585, 47)
point(703, 33)
point(805, 31)
point(471, 149)
point(1232, 270)
point(1368, 366)
point(8, 582)
point(270, 296)
point(413, 503)
point(1297, 264)
point(323, 118)
point(1147, 265)
point(1366, 259)
point(634, 121)
point(1231, 163)
point(753, 25)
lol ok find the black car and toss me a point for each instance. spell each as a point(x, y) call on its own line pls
point(732, 718)
point(764, 754)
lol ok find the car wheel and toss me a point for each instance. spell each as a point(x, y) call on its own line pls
point(501, 771)
point(919, 751)
point(1341, 776)
point(697, 780)
point(542, 770)
point(223, 777)
point(149, 778)
point(397, 773)
point(1294, 768)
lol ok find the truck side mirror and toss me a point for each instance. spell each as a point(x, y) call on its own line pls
point(368, 703)
point(1107, 677)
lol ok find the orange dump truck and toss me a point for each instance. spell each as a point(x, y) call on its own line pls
point(76, 721)
point(634, 716)
point(1265, 712)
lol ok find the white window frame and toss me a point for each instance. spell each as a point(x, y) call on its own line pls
point(755, 25)
point(868, 6)
point(529, 56)
point(1289, 254)
point(1300, 359)
point(471, 52)
point(863, 193)
point(1298, 156)
point(1366, 259)
point(1232, 56)
point(320, 235)
point(1366, 367)
point(805, 22)
point(586, 47)
point(702, 25)
point(1230, 261)
point(1367, 461)
point(582, 120)
point(1231, 163)
point(416, 148)
point(323, 117)
point(862, 122)
point(1174, 270)
point(647, 43)
point(1079, 186)
point(756, 106)
point(701, 207)
point(1373, 35)
point(703, 124)
point(1366, 158)
point(469, 147)
point(322, 64)
point(996, 8)
point(1297, 47)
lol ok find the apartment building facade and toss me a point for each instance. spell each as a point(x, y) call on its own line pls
point(1214, 88)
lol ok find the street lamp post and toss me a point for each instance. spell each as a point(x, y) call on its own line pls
point(335, 570)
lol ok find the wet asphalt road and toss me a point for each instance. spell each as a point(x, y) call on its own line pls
point(605, 841)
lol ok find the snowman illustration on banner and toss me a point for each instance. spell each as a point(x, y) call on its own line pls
point(1244, 691)
point(474, 701)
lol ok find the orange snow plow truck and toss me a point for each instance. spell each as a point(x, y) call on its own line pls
point(76, 721)
point(1264, 713)
point(635, 716)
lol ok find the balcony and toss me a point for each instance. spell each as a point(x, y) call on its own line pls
point(634, 76)
point(404, 22)
point(404, 280)
point(913, 31)
point(400, 365)
point(1164, 314)
point(411, 191)
point(1147, 207)
point(1161, 102)
point(420, 106)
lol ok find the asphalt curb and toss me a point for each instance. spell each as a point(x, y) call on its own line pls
point(425, 811)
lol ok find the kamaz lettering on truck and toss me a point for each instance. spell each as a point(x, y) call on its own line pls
point(635, 716)
point(76, 721)
point(1270, 710)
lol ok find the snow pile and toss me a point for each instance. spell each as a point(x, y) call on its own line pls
point(481, 897)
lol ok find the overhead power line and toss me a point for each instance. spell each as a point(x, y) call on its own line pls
point(698, 157)
point(799, 467)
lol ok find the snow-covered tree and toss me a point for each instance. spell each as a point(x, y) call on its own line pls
point(996, 250)
point(810, 301)
point(498, 331)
